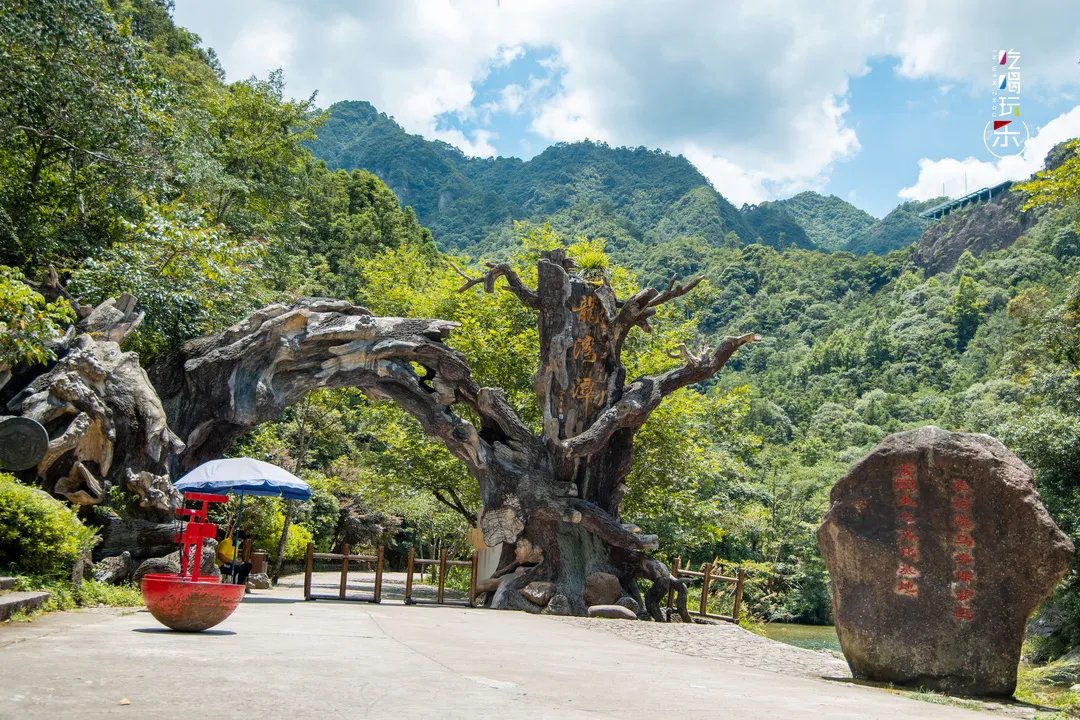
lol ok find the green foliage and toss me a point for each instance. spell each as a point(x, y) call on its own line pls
point(590, 257)
point(39, 534)
point(774, 226)
point(27, 322)
point(687, 458)
point(82, 127)
point(320, 516)
point(966, 310)
point(1056, 185)
point(88, 593)
point(295, 543)
point(129, 164)
point(189, 276)
point(1050, 686)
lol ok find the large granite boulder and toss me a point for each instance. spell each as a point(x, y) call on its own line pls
point(939, 548)
point(602, 588)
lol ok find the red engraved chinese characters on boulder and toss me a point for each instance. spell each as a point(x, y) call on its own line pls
point(906, 493)
point(939, 548)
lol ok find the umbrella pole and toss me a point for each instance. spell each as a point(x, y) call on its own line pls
point(236, 536)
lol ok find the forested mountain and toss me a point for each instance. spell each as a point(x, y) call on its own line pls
point(201, 198)
point(632, 197)
point(774, 226)
point(899, 229)
point(829, 222)
point(470, 202)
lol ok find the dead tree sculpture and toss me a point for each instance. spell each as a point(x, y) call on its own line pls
point(552, 498)
point(105, 422)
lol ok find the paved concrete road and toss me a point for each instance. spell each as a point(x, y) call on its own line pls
point(291, 659)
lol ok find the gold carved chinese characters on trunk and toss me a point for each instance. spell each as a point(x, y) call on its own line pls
point(585, 350)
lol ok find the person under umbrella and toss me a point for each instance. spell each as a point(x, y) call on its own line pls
point(226, 557)
point(244, 476)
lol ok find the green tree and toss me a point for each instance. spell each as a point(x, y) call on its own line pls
point(1058, 185)
point(81, 117)
point(190, 276)
point(27, 322)
point(966, 310)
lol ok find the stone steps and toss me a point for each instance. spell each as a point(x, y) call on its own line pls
point(12, 602)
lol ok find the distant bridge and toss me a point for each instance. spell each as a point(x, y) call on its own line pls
point(984, 195)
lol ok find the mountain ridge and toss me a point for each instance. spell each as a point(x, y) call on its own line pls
point(636, 194)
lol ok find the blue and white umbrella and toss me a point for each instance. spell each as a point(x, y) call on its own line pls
point(243, 476)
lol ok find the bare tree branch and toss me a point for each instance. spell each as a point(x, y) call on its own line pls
point(99, 156)
point(673, 291)
point(455, 504)
point(502, 270)
point(644, 395)
point(641, 306)
point(600, 522)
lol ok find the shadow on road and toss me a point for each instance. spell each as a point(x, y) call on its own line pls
point(167, 631)
point(263, 600)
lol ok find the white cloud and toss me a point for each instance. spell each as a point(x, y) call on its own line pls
point(739, 184)
point(753, 91)
point(950, 174)
point(510, 100)
point(266, 45)
point(508, 54)
point(958, 41)
point(511, 97)
point(478, 145)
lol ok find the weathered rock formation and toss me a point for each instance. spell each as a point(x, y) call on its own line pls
point(978, 229)
point(939, 548)
point(103, 417)
point(612, 612)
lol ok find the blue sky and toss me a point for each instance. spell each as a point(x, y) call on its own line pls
point(874, 101)
point(899, 120)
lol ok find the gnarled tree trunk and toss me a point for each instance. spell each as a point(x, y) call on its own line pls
point(554, 495)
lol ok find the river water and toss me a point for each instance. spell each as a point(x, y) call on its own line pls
point(811, 637)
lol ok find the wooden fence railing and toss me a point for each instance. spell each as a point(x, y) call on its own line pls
point(345, 557)
point(707, 578)
point(444, 564)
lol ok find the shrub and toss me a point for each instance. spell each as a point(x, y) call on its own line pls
point(266, 537)
point(39, 534)
point(297, 542)
point(89, 593)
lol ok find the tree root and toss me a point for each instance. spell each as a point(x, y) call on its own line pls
point(663, 582)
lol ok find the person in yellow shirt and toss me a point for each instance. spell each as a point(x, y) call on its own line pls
point(226, 557)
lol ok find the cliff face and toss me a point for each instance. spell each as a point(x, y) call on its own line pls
point(978, 229)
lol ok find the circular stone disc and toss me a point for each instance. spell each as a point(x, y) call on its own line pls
point(23, 442)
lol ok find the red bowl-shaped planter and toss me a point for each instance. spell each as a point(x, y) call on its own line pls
point(187, 605)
